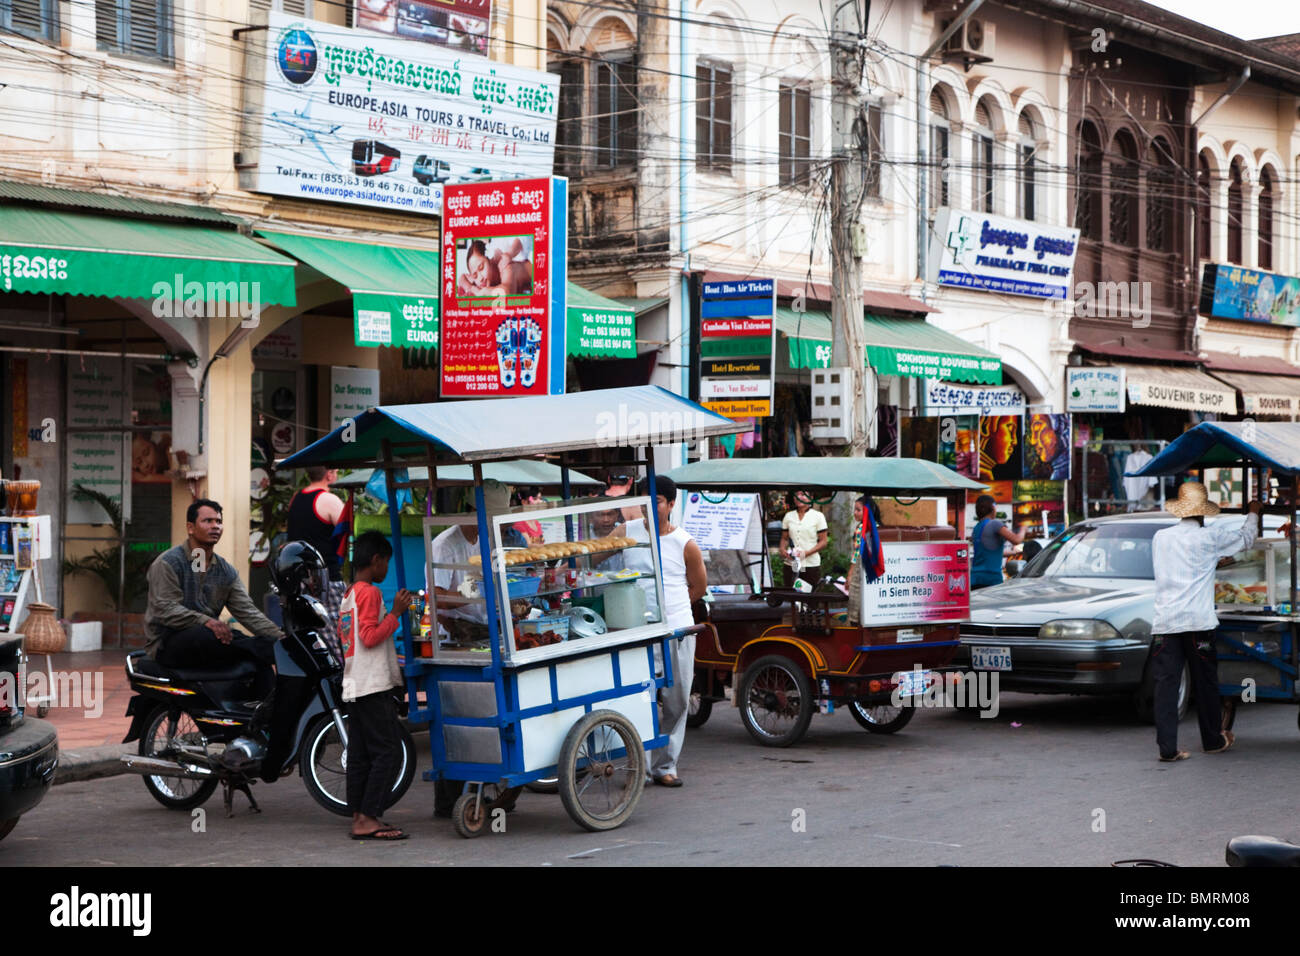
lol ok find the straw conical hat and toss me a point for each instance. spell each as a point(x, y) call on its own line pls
point(1192, 500)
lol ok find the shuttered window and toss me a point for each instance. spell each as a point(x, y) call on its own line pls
point(31, 18)
point(795, 134)
point(713, 117)
point(140, 28)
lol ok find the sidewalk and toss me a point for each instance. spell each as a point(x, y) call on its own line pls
point(92, 693)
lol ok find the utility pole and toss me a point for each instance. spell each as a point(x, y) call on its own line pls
point(849, 138)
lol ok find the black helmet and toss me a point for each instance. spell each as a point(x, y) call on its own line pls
point(298, 568)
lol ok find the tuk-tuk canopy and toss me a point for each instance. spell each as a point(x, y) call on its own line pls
point(496, 429)
point(520, 473)
point(911, 475)
point(1274, 445)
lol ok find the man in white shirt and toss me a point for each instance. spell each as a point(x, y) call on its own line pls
point(1184, 557)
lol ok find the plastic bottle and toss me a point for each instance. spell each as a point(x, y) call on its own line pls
point(826, 705)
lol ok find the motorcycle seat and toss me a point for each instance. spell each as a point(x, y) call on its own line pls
point(1261, 851)
point(147, 667)
point(743, 607)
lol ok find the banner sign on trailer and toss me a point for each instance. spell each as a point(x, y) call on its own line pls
point(457, 24)
point(355, 117)
point(925, 582)
point(737, 330)
point(503, 289)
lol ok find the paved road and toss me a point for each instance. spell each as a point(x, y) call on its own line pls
point(950, 789)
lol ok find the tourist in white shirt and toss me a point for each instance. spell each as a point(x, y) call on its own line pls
point(803, 535)
point(1184, 557)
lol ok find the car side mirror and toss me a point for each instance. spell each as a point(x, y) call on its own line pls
point(1015, 568)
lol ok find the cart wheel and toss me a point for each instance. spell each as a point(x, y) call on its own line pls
point(697, 713)
point(883, 719)
point(545, 785)
point(608, 748)
point(469, 815)
point(776, 701)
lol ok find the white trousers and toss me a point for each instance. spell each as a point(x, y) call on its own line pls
point(676, 705)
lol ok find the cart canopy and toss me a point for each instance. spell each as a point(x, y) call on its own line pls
point(521, 472)
point(495, 429)
point(1274, 445)
point(867, 474)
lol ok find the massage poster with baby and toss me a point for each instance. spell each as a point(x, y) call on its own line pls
point(503, 288)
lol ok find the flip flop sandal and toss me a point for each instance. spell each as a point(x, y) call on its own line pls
point(1181, 755)
point(669, 780)
point(385, 835)
point(1229, 738)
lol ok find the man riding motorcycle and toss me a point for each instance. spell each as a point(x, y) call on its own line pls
point(189, 587)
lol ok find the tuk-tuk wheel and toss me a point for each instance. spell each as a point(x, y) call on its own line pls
point(469, 815)
point(882, 719)
point(601, 770)
point(776, 701)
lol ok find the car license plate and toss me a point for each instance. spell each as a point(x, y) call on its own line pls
point(990, 658)
point(913, 683)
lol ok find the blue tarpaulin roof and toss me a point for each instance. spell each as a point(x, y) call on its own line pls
point(1274, 445)
point(522, 472)
point(496, 429)
point(885, 474)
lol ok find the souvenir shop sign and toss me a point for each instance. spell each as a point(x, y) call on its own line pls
point(457, 24)
point(503, 289)
point(737, 326)
point(356, 117)
point(1231, 292)
point(971, 400)
point(977, 251)
point(1090, 389)
point(924, 582)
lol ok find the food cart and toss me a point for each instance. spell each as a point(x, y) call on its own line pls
point(784, 654)
point(1255, 595)
point(562, 682)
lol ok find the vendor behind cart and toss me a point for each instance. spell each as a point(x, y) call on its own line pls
point(467, 624)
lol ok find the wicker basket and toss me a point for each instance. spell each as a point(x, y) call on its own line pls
point(42, 633)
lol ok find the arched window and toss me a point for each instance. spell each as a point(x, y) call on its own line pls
point(982, 158)
point(1160, 198)
point(1203, 187)
point(940, 155)
point(1236, 207)
point(1087, 182)
point(1123, 190)
point(1267, 194)
point(1026, 160)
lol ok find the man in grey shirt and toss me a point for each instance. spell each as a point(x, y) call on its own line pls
point(189, 587)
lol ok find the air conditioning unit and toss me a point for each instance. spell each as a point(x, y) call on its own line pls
point(832, 406)
point(971, 44)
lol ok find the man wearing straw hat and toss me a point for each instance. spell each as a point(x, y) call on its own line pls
point(1184, 557)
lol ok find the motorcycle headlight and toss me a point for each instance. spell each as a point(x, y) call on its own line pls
point(1080, 630)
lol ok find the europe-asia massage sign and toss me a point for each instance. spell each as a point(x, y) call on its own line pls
point(503, 288)
point(737, 347)
point(925, 582)
point(357, 117)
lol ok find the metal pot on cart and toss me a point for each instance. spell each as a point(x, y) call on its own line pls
point(528, 695)
point(1259, 621)
point(782, 655)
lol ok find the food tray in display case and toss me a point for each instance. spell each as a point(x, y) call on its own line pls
point(1257, 581)
point(539, 589)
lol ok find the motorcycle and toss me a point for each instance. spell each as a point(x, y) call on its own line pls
point(1247, 851)
point(198, 729)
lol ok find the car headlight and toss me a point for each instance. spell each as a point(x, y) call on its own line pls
point(1081, 630)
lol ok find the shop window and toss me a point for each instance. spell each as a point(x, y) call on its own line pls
point(1203, 187)
point(1124, 191)
point(795, 134)
point(568, 127)
point(140, 28)
point(1236, 206)
point(1087, 182)
point(616, 111)
point(940, 154)
point(1267, 191)
point(875, 148)
point(713, 117)
point(1026, 168)
point(1159, 198)
point(982, 160)
point(31, 18)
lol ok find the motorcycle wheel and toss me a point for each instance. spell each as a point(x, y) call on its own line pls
point(324, 766)
point(174, 793)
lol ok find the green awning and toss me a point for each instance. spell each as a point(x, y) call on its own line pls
point(894, 347)
point(72, 253)
point(599, 327)
point(394, 289)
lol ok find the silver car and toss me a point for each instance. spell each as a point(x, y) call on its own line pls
point(1077, 620)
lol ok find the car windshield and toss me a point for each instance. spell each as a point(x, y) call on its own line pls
point(1119, 550)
